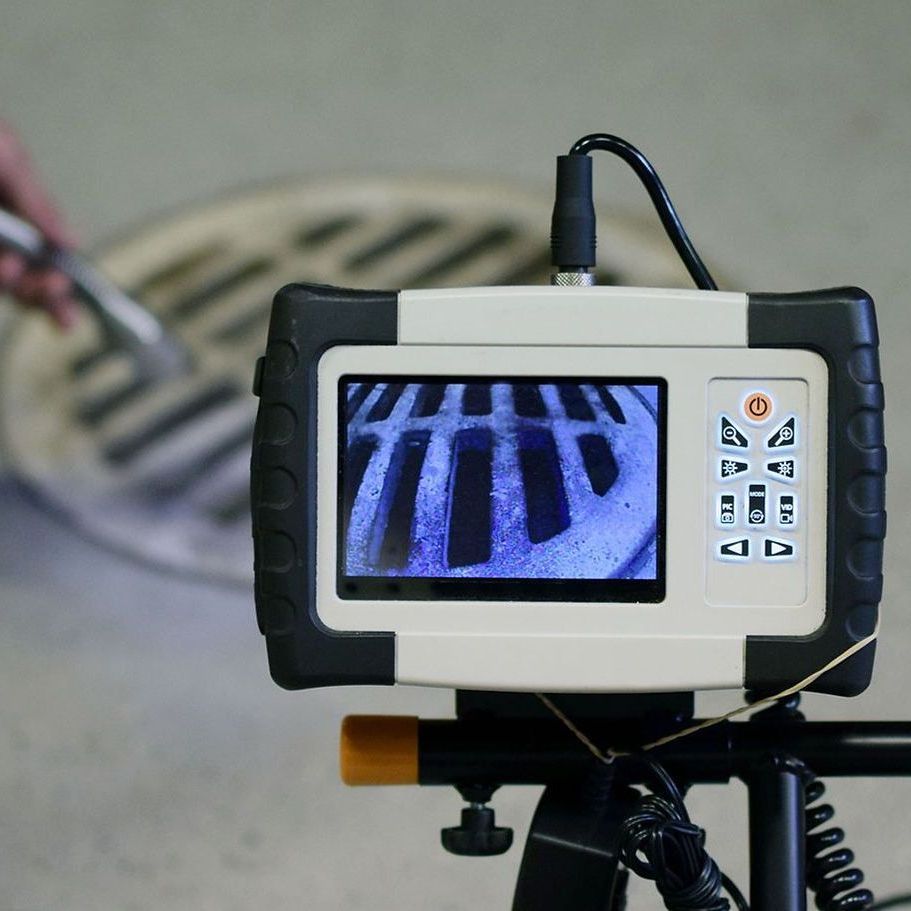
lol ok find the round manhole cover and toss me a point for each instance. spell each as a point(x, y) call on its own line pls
point(161, 472)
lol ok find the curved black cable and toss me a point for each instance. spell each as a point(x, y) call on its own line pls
point(893, 901)
point(659, 842)
point(605, 142)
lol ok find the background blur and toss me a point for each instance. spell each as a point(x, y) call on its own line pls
point(146, 759)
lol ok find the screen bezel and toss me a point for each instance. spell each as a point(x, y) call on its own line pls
point(418, 588)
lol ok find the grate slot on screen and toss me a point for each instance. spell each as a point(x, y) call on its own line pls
point(574, 403)
point(600, 464)
point(611, 405)
point(391, 543)
point(471, 483)
point(546, 507)
point(388, 399)
point(476, 399)
point(428, 400)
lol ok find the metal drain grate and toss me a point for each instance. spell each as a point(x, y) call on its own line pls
point(161, 472)
point(502, 480)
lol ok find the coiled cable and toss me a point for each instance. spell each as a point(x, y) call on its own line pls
point(659, 842)
point(830, 874)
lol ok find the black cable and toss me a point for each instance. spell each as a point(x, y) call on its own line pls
point(893, 901)
point(659, 196)
point(659, 842)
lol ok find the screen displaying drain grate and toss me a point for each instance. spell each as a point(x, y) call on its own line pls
point(500, 478)
point(161, 472)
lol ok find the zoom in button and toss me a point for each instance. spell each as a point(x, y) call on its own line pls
point(757, 407)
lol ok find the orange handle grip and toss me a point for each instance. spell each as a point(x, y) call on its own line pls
point(379, 750)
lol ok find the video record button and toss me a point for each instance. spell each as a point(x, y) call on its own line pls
point(777, 550)
point(735, 549)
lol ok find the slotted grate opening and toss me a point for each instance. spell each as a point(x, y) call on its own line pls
point(161, 471)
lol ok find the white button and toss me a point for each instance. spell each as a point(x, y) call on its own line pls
point(736, 550)
point(726, 510)
point(730, 436)
point(782, 470)
point(786, 510)
point(732, 468)
point(777, 551)
point(784, 436)
point(756, 504)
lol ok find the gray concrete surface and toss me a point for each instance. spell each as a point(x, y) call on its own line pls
point(146, 761)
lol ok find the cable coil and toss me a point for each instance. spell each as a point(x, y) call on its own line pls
point(830, 874)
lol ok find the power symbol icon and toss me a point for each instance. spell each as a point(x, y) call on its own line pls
point(757, 407)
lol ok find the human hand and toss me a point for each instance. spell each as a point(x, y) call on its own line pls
point(22, 193)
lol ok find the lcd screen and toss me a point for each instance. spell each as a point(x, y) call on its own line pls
point(505, 487)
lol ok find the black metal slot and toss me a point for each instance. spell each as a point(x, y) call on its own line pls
point(233, 509)
point(611, 405)
point(428, 400)
point(600, 464)
point(181, 480)
point(401, 237)
point(176, 271)
point(531, 272)
point(471, 483)
point(476, 399)
point(356, 399)
point(192, 409)
point(322, 232)
point(574, 403)
point(461, 256)
point(216, 289)
point(87, 362)
point(96, 410)
point(391, 543)
point(546, 507)
point(242, 326)
point(527, 401)
point(383, 406)
point(357, 458)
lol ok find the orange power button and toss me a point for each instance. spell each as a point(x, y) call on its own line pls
point(757, 407)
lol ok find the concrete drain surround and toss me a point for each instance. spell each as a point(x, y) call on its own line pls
point(161, 473)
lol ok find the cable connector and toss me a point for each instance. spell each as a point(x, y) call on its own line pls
point(573, 229)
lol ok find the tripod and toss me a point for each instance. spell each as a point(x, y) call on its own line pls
point(572, 858)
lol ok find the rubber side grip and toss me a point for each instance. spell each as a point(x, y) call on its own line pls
point(840, 325)
point(305, 321)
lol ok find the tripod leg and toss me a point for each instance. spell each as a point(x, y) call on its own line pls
point(777, 839)
point(570, 860)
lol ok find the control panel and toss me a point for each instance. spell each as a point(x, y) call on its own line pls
point(757, 492)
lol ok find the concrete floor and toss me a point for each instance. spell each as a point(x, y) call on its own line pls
point(146, 761)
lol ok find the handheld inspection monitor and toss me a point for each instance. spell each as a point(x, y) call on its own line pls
point(569, 488)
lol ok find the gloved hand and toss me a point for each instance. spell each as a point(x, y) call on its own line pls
point(22, 193)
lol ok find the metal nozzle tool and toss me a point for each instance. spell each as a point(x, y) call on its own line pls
point(128, 326)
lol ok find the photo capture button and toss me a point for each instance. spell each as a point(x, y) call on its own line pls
point(757, 407)
point(730, 436)
point(777, 551)
point(784, 436)
point(732, 468)
point(782, 470)
point(736, 550)
point(726, 510)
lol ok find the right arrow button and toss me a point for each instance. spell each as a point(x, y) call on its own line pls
point(776, 549)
